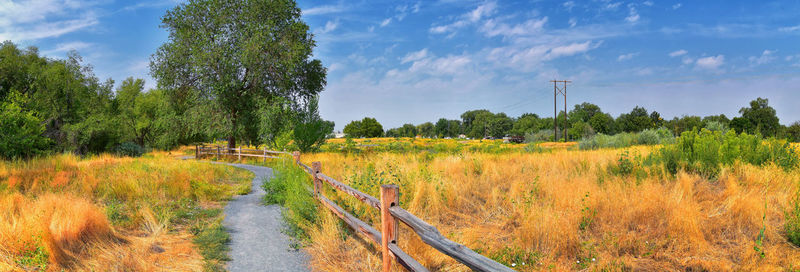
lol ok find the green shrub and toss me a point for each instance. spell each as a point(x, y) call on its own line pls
point(290, 189)
point(792, 224)
point(625, 139)
point(21, 131)
point(545, 135)
point(705, 152)
point(129, 149)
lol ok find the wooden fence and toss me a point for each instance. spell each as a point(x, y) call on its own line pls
point(239, 152)
point(391, 215)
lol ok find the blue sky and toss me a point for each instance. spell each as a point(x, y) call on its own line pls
point(416, 61)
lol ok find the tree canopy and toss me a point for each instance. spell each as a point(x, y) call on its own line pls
point(367, 128)
point(238, 54)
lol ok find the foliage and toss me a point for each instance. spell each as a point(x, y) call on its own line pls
point(446, 128)
point(760, 119)
point(544, 135)
point(289, 188)
point(426, 130)
point(637, 120)
point(310, 130)
point(21, 131)
point(793, 132)
point(621, 140)
point(704, 152)
point(792, 225)
point(240, 53)
point(367, 127)
point(129, 149)
point(213, 243)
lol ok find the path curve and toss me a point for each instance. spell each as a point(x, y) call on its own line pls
point(257, 243)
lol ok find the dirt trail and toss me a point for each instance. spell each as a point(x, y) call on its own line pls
point(257, 243)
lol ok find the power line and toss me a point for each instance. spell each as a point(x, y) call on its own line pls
point(562, 91)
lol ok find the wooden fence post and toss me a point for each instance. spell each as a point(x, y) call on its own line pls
point(390, 197)
point(196, 152)
point(217, 152)
point(316, 167)
point(240, 153)
point(265, 153)
point(296, 156)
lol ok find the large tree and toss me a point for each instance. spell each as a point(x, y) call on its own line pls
point(367, 128)
point(762, 117)
point(238, 53)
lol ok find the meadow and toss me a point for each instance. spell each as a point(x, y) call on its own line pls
point(110, 213)
point(655, 208)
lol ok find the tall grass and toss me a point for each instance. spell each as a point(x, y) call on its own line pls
point(625, 139)
point(108, 213)
point(705, 152)
point(290, 188)
point(564, 210)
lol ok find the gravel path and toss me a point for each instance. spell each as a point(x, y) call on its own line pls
point(257, 243)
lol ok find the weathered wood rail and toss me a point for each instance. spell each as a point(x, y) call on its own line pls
point(239, 152)
point(391, 215)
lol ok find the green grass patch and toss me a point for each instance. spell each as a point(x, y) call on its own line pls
point(290, 189)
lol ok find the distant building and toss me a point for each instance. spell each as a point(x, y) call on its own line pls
point(462, 136)
point(338, 135)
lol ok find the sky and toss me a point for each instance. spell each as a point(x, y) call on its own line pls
point(418, 61)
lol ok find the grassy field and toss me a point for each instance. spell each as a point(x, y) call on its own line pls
point(107, 213)
point(559, 208)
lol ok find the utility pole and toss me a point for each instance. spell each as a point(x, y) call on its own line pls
point(562, 91)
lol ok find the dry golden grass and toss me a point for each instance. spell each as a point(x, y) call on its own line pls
point(530, 207)
point(105, 213)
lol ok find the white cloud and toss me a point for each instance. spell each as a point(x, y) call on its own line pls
point(648, 3)
point(612, 6)
point(644, 71)
point(329, 26)
point(678, 53)
point(633, 15)
point(628, 56)
point(765, 57)
point(449, 65)
point(482, 11)
point(322, 10)
point(573, 22)
point(676, 6)
point(414, 56)
point(468, 18)
point(37, 19)
point(687, 60)
point(386, 22)
point(710, 63)
point(65, 47)
point(492, 28)
point(789, 28)
point(569, 5)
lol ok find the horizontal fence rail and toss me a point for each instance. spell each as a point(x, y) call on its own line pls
point(391, 215)
point(239, 152)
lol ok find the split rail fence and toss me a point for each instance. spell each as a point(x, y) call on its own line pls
point(219, 151)
point(391, 215)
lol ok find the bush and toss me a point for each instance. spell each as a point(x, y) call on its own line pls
point(21, 132)
point(705, 152)
point(545, 135)
point(625, 139)
point(792, 225)
point(289, 188)
point(129, 149)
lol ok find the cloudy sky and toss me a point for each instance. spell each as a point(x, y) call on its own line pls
point(416, 61)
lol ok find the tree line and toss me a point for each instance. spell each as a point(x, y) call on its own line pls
point(583, 121)
point(241, 71)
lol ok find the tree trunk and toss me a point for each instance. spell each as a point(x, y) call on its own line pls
point(232, 137)
point(231, 142)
